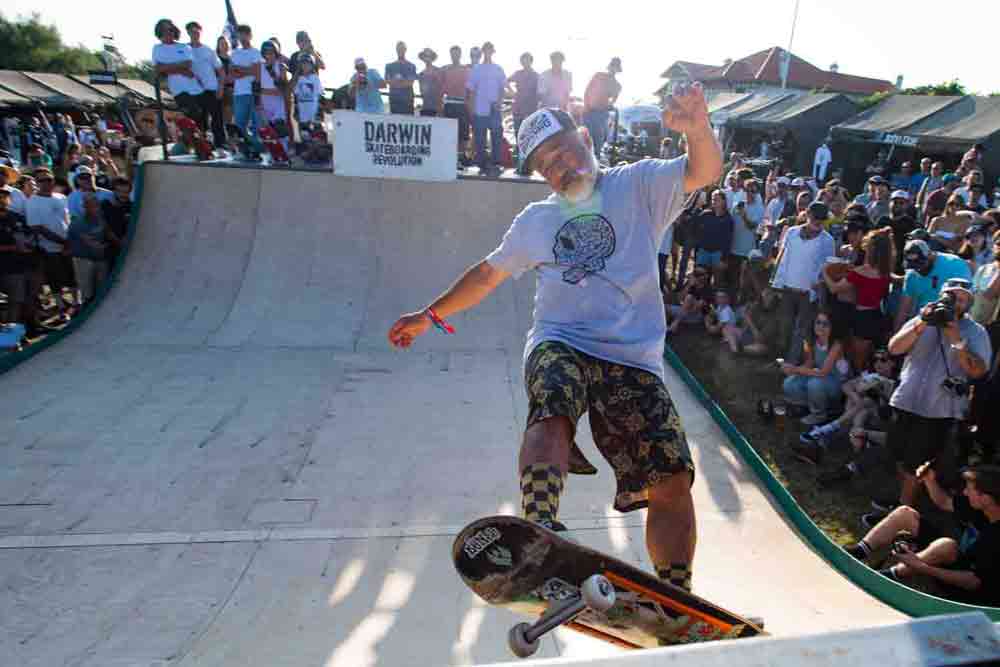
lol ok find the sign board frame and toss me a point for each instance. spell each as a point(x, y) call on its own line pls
point(378, 145)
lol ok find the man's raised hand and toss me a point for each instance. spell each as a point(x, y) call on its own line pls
point(686, 109)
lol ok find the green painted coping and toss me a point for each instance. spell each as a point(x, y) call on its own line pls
point(906, 600)
point(8, 361)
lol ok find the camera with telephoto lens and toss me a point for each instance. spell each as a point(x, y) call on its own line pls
point(941, 312)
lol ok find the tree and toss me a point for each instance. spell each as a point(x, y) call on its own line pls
point(952, 87)
point(29, 45)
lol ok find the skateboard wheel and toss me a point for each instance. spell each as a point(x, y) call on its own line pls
point(518, 642)
point(598, 593)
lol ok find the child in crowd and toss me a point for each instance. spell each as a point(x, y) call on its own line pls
point(308, 91)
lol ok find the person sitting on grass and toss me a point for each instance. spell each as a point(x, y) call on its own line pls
point(866, 406)
point(966, 569)
point(695, 299)
point(816, 383)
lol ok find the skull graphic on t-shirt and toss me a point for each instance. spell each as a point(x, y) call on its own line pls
point(582, 245)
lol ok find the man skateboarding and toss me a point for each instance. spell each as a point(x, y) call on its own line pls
point(599, 326)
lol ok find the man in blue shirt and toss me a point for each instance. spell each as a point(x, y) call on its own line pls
point(484, 95)
point(926, 273)
point(401, 74)
point(365, 85)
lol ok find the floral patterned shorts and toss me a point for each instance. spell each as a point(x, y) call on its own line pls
point(632, 419)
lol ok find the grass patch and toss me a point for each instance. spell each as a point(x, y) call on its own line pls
point(736, 382)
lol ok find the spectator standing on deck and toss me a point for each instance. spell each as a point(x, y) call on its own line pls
point(484, 91)
point(523, 84)
point(430, 84)
point(208, 70)
point(245, 65)
point(365, 85)
point(454, 77)
point(175, 61)
point(401, 75)
point(601, 94)
point(306, 48)
point(308, 90)
point(555, 84)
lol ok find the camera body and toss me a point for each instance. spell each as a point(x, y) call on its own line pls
point(942, 311)
point(956, 386)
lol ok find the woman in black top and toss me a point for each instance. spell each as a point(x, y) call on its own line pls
point(222, 50)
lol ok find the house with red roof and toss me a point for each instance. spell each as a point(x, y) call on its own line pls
point(761, 72)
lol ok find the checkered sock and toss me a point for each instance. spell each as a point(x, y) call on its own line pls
point(678, 574)
point(541, 486)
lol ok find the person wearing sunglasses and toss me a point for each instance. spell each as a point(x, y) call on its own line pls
point(816, 382)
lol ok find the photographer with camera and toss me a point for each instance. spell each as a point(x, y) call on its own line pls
point(945, 349)
point(963, 565)
point(926, 271)
point(365, 85)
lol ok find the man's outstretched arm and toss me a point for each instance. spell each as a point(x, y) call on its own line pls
point(472, 287)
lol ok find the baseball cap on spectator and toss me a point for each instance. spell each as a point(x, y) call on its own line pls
point(42, 172)
point(84, 171)
point(977, 228)
point(186, 123)
point(900, 194)
point(359, 61)
point(783, 181)
point(798, 183)
point(957, 285)
point(819, 210)
point(917, 247)
point(539, 127)
point(876, 180)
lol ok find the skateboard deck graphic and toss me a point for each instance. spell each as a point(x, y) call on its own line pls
point(521, 566)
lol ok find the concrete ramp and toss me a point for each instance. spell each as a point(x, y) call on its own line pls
point(228, 465)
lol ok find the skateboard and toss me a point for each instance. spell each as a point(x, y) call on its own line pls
point(531, 570)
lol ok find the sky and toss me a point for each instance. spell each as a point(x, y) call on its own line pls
point(865, 38)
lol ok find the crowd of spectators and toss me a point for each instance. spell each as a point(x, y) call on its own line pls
point(65, 212)
point(881, 310)
point(237, 88)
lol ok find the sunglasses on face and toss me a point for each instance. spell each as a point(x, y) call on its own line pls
point(822, 323)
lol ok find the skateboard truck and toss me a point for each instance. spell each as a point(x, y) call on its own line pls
point(597, 593)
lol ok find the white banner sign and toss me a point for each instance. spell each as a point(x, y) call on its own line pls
point(379, 145)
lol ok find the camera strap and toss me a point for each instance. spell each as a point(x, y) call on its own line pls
point(944, 356)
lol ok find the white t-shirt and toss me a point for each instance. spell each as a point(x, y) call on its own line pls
point(51, 213)
point(308, 90)
point(205, 62)
point(244, 58)
point(554, 89)
point(821, 161)
point(172, 54)
point(802, 260)
point(597, 286)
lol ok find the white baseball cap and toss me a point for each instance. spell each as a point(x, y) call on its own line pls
point(539, 127)
point(798, 183)
point(783, 181)
point(359, 61)
point(900, 194)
